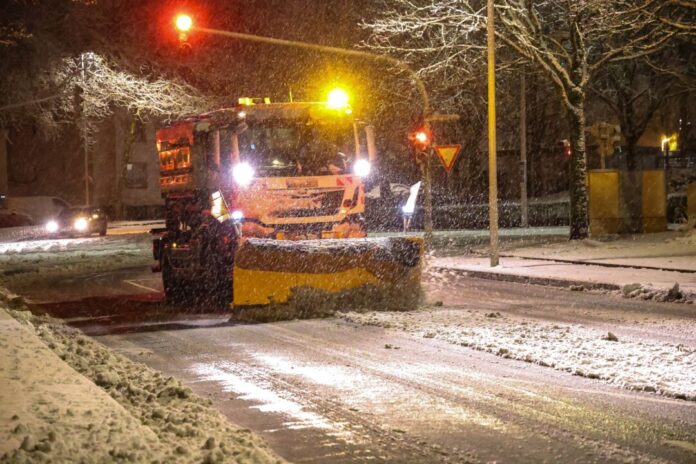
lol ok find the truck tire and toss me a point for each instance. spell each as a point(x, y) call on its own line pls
point(216, 286)
point(177, 292)
point(219, 248)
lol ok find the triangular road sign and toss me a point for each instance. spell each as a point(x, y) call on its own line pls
point(448, 154)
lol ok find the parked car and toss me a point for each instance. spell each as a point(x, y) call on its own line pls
point(78, 221)
point(39, 208)
point(11, 218)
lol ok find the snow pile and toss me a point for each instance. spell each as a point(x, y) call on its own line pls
point(664, 368)
point(688, 239)
point(673, 295)
point(169, 422)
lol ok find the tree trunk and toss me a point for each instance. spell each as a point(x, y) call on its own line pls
point(578, 173)
point(4, 180)
point(631, 187)
point(125, 158)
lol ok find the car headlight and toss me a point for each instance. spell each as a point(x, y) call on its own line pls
point(51, 226)
point(80, 224)
point(243, 174)
point(361, 168)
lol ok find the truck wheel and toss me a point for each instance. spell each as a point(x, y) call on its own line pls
point(177, 292)
point(216, 284)
point(217, 273)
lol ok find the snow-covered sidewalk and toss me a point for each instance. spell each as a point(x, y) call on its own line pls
point(646, 266)
point(66, 398)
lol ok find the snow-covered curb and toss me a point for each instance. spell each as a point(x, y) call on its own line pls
point(664, 368)
point(181, 426)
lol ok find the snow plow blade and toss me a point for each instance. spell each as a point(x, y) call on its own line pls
point(346, 273)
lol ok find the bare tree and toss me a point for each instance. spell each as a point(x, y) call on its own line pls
point(86, 90)
point(102, 88)
point(569, 41)
point(635, 90)
point(678, 14)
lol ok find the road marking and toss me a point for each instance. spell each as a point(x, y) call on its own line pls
point(135, 284)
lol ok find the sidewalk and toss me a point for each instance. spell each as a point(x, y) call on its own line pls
point(644, 266)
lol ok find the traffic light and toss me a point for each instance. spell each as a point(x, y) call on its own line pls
point(183, 23)
point(421, 138)
point(607, 136)
point(566, 147)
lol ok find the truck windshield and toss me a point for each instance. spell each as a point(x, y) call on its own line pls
point(292, 148)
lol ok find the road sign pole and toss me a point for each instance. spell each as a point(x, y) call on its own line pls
point(428, 191)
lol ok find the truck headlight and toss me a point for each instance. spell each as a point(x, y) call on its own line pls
point(237, 216)
point(243, 174)
point(361, 168)
point(80, 224)
point(51, 227)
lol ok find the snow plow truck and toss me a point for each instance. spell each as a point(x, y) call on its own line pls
point(264, 203)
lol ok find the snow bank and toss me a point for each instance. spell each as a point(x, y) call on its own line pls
point(153, 418)
point(635, 364)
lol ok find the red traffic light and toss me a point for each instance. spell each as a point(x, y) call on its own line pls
point(183, 22)
point(566, 147)
point(420, 138)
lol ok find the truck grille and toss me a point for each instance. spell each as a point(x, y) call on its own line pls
point(326, 204)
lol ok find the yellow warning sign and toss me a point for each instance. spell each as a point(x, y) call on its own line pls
point(448, 154)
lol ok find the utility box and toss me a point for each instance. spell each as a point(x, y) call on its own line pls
point(691, 204)
point(654, 201)
point(609, 210)
point(604, 207)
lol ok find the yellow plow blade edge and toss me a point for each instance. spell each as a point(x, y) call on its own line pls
point(383, 272)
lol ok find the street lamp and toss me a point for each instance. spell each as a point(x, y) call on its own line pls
point(420, 86)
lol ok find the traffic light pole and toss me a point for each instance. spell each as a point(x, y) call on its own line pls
point(425, 99)
point(428, 192)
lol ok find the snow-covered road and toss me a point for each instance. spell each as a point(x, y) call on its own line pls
point(497, 371)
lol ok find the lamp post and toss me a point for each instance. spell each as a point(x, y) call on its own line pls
point(185, 25)
point(492, 165)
